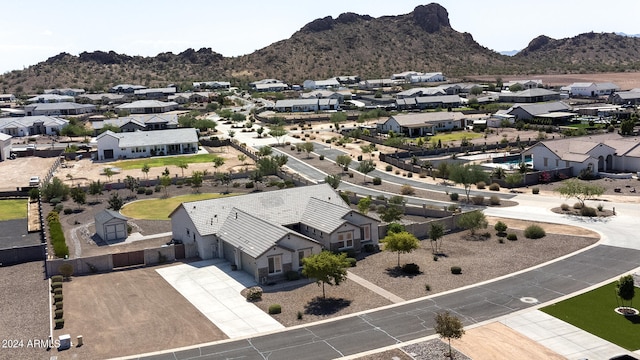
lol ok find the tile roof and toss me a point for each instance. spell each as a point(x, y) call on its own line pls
point(425, 118)
point(156, 137)
point(324, 215)
point(542, 108)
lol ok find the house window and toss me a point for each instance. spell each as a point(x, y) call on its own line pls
point(545, 162)
point(365, 232)
point(557, 162)
point(303, 254)
point(188, 231)
point(275, 264)
point(345, 239)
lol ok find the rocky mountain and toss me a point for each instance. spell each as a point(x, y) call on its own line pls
point(350, 44)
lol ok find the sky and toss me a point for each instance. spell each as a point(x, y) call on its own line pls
point(32, 31)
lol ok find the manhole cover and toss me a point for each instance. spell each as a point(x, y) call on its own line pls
point(529, 300)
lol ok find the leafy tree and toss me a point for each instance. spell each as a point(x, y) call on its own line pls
point(448, 327)
point(166, 172)
point(625, 289)
point(224, 179)
point(131, 183)
point(281, 160)
point(476, 90)
point(395, 228)
point(95, 188)
point(55, 189)
point(257, 177)
point(368, 149)
point(365, 167)
point(259, 131)
point(308, 148)
point(343, 160)
point(443, 170)
point(337, 118)
point(165, 181)
point(513, 179)
point(472, 221)
point(436, 232)
point(108, 173)
point(278, 132)
point(145, 170)
point(205, 125)
point(364, 204)
point(402, 242)
point(467, 175)
point(78, 195)
point(267, 165)
point(333, 180)
point(238, 117)
point(574, 188)
point(197, 177)
point(265, 151)
point(115, 202)
point(393, 210)
point(626, 127)
point(327, 268)
point(183, 165)
point(217, 162)
point(516, 87)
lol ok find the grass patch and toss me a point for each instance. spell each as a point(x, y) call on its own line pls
point(159, 209)
point(593, 312)
point(13, 209)
point(163, 161)
point(455, 136)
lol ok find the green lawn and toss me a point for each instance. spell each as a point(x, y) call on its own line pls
point(13, 209)
point(162, 161)
point(455, 136)
point(159, 209)
point(593, 312)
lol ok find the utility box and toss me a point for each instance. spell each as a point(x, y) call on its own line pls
point(65, 342)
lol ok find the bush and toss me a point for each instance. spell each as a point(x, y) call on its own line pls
point(454, 196)
point(141, 190)
point(564, 207)
point(58, 208)
point(600, 207)
point(410, 174)
point(321, 157)
point(369, 248)
point(411, 268)
point(59, 305)
point(435, 257)
point(352, 261)
point(481, 185)
point(478, 200)
point(388, 168)
point(535, 190)
point(512, 237)
point(57, 298)
point(534, 232)
point(299, 316)
point(494, 200)
point(254, 293)
point(456, 270)
point(157, 188)
point(68, 211)
point(397, 172)
point(359, 157)
point(66, 270)
point(58, 314)
point(377, 181)
point(56, 278)
point(427, 287)
point(59, 323)
point(407, 190)
point(500, 227)
point(249, 185)
point(292, 275)
point(275, 309)
point(494, 187)
point(148, 191)
point(57, 291)
point(588, 211)
point(577, 206)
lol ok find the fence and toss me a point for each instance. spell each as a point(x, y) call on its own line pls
point(22, 254)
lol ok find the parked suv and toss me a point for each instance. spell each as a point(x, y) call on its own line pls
point(34, 181)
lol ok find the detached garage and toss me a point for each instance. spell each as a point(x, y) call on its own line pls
point(5, 146)
point(111, 225)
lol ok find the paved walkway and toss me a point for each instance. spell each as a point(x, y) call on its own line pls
point(375, 288)
point(214, 289)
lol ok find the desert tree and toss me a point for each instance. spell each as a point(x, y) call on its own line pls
point(108, 172)
point(574, 188)
point(115, 202)
point(278, 132)
point(217, 162)
point(95, 188)
point(393, 210)
point(365, 167)
point(145, 170)
point(165, 181)
point(326, 268)
point(78, 195)
point(466, 175)
point(265, 151)
point(183, 165)
point(401, 242)
point(436, 233)
point(448, 327)
point(308, 148)
point(197, 178)
point(131, 183)
point(343, 161)
point(473, 221)
point(364, 204)
point(625, 290)
point(242, 158)
point(333, 180)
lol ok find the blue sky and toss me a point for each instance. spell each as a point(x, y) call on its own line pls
point(31, 32)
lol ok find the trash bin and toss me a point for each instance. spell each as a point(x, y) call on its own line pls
point(65, 342)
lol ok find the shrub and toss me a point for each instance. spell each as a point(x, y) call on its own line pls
point(535, 190)
point(249, 185)
point(141, 190)
point(58, 314)
point(369, 248)
point(512, 237)
point(501, 240)
point(494, 200)
point(600, 207)
point(359, 157)
point(478, 200)
point(427, 287)
point(59, 305)
point(410, 174)
point(481, 185)
point(58, 208)
point(577, 206)
point(388, 168)
point(68, 211)
point(299, 316)
point(494, 187)
point(350, 175)
point(352, 261)
point(157, 188)
point(275, 309)
point(57, 298)
point(377, 181)
point(66, 270)
point(435, 257)
point(564, 207)
point(500, 227)
point(411, 268)
point(321, 157)
point(397, 172)
point(407, 190)
point(486, 234)
point(148, 191)
point(59, 323)
point(454, 196)
point(534, 232)
point(292, 275)
point(57, 291)
point(456, 270)
point(254, 293)
point(56, 278)
point(588, 211)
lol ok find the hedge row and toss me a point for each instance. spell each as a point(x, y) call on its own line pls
point(58, 241)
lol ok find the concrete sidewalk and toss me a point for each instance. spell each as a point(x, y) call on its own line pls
point(214, 289)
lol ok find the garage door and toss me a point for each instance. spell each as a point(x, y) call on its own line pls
point(115, 232)
point(108, 153)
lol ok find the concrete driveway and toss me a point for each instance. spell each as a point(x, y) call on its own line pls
point(214, 289)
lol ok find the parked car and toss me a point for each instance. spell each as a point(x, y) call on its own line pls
point(34, 181)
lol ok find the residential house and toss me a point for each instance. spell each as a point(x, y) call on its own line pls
point(155, 93)
point(421, 91)
point(212, 85)
point(631, 97)
point(148, 107)
point(530, 111)
point(348, 80)
point(269, 233)
point(126, 88)
point(50, 98)
point(426, 77)
point(111, 225)
point(533, 95)
point(269, 85)
point(321, 84)
point(591, 89)
point(526, 84)
point(422, 124)
point(59, 109)
point(323, 94)
point(376, 83)
point(191, 97)
point(7, 98)
point(102, 99)
point(5, 146)
point(429, 102)
point(306, 105)
point(403, 76)
point(32, 125)
point(133, 123)
point(65, 91)
point(146, 143)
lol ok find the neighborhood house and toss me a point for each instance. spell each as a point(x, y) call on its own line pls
point(146, 143)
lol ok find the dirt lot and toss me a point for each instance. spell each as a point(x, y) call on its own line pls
point(129, 312)
point(24, 313)
point(16, 173)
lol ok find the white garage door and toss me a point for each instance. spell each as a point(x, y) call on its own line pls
point(115, 231)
